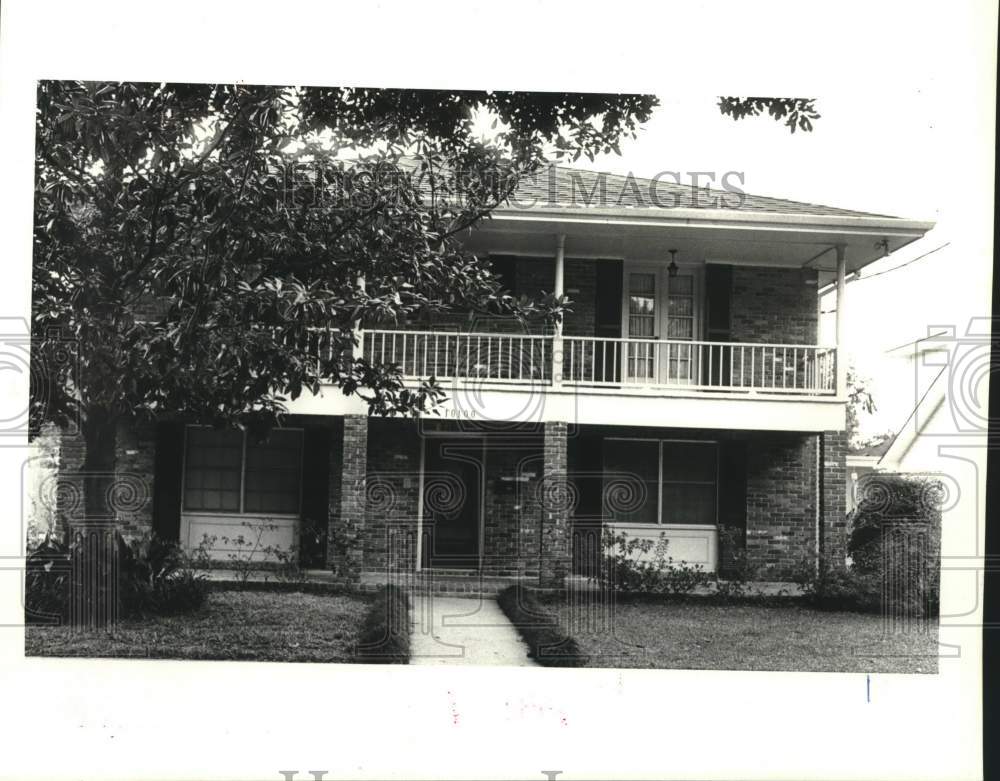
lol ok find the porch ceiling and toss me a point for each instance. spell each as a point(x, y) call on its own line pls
point(725, 236)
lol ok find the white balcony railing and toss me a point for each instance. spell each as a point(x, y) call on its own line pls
point(696, 365)
point(793, 369)
point(519, 358)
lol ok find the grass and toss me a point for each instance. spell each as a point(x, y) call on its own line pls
point(259, 626)
point(691, 636)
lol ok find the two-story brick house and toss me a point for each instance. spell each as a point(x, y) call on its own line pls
point(686, 391)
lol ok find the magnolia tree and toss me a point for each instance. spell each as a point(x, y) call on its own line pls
point(196, 244)
point(208, 250)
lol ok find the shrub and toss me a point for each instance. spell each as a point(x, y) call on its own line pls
point(736, 572)
point(47, 583)
point(251, 555)
point(547, 643)
point(154, 577)
point(895, 539)
point(641, 565)
point(385, 634)
point(289, 568)
point(895, 546)
point(838, 588)
point(158, 577)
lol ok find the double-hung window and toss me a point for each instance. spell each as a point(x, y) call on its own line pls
point(227, 471)
point(661, 481)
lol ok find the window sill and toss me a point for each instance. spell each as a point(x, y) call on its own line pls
point(662, 526)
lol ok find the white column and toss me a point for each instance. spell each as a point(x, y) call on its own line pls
point(558, 290)
point(841, 313)
point(359, 332)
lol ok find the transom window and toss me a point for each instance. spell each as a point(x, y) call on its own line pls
point(680, 479)
point(226, 471)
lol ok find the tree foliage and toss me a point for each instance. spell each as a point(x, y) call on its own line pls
point(796, 113)
point(860, 402)
point(199, 244)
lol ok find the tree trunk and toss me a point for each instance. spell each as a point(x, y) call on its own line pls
point(94, 593)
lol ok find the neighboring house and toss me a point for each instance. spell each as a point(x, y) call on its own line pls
point(915, 446)
point(686, 391)
point(860, 463)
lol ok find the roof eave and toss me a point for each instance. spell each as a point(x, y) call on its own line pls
point(666, 217)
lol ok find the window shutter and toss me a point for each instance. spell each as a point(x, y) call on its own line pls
point(168, 466)
point(718, 293)
point(315, 495)
point(732, 499)
point(718, 283)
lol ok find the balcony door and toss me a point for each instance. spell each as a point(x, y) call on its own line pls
point(659, 307)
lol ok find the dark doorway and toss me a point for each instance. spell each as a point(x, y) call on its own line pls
point(452, 502)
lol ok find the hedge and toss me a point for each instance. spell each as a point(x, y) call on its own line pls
point(385, 633)
point(547, 643)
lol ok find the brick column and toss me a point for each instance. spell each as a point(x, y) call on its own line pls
point(132, 498)
point(131, 491)
point(833, 518)
point(345, 533)
point(556, 506)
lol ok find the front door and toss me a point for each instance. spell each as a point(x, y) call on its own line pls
point(452, 502)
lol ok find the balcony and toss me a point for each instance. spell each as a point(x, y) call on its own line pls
point(624, 366)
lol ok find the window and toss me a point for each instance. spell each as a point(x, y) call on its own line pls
point(642, 305)
point(273, 473)
point(680, 480)
point(227, 472)
point(631, 480)
point(688, 481)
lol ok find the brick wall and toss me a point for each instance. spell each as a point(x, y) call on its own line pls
point(514, 476)
point(135, 453)
point(69, 496)
point(773, 305)
point(345, 533)
point(132, 492)
point(781, 503)
point(392, 495)
point(557, 506)
point(834, 532)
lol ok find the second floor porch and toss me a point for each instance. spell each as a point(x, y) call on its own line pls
point(676, 318)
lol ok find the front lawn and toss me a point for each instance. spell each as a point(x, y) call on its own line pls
point(689, 635)
point(259, 626)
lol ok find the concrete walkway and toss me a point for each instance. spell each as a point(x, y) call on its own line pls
point(457, 630)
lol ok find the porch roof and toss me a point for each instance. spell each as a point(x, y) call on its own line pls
point(611, 216)
point(558, 186)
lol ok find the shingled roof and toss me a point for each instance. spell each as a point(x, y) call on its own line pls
point(557, 186)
